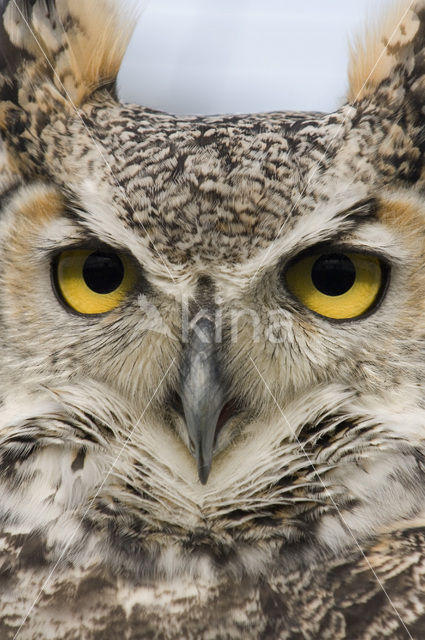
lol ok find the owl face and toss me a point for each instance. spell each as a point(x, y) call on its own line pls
point(212, 336)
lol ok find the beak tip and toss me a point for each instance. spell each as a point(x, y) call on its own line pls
point(204, 473)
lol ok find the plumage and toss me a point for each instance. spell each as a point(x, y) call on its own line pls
point(212, 409)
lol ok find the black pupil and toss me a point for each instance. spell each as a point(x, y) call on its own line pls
point(333, 274)
point(103, 272)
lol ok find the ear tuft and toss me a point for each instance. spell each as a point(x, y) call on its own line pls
point(384, 48)
point(76, 45)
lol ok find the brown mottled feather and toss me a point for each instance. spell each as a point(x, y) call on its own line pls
point(339, 599)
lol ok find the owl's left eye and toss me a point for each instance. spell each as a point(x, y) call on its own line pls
point(337, 285)
point(93, 282)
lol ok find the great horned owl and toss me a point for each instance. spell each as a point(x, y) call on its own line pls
point(212, 412)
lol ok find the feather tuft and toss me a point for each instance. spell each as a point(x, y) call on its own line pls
point(77, 46)
point(382, 47)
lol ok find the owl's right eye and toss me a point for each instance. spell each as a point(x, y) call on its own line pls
point(93, 282)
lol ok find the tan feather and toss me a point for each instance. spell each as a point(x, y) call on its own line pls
point(375, 53)
point(82, 43)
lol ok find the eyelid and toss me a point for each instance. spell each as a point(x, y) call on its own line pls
point(88, 245)
point(338, 247)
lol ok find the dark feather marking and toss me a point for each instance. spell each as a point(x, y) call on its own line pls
point(78, 462)
point(33, 552)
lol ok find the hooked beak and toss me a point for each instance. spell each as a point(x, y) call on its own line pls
point(202, 393)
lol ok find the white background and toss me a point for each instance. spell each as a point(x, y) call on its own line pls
point(216, 56)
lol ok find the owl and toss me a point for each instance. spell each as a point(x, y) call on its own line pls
point(212, 364)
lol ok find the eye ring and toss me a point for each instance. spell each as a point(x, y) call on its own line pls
point(353, 284)
point(92, 281)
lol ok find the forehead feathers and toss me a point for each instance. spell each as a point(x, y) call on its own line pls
point(189, 189)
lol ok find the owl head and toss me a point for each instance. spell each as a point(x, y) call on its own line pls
point(212, 328)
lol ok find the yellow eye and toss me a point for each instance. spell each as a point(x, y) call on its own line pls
point(93, 282)
point(337, 285)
